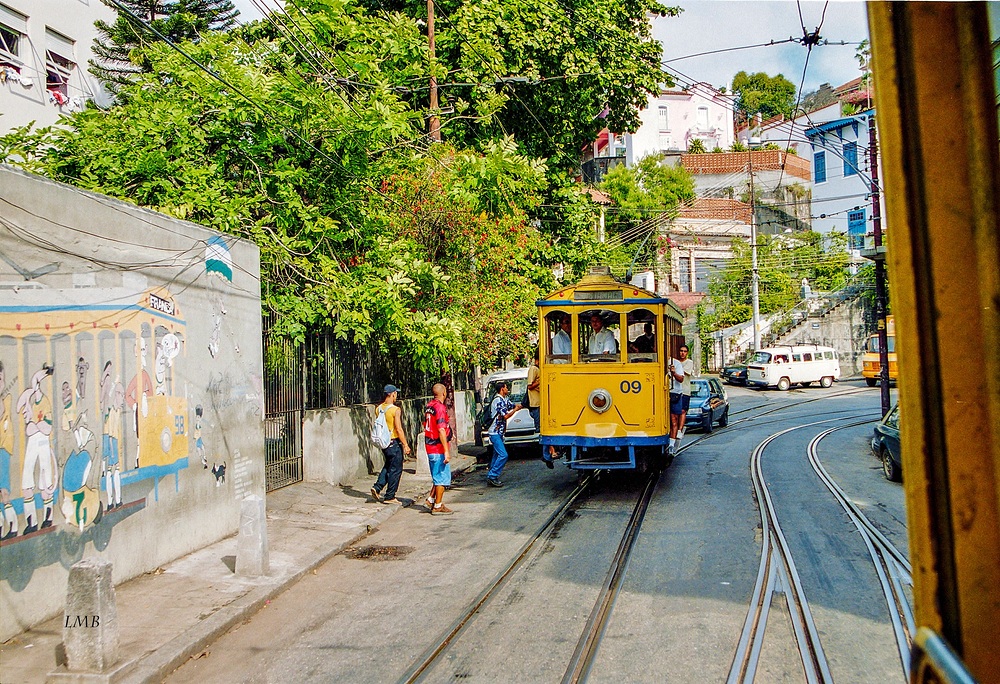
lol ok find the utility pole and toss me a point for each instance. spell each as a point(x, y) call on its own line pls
point(755, 279)
point(880, 298)
point(435, 122)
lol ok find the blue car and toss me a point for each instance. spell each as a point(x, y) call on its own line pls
point(709, 404)
point(885, 445)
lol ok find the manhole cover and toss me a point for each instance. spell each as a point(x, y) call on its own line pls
point(379, 553)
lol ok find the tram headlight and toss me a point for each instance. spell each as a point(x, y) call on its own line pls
point(600, 400)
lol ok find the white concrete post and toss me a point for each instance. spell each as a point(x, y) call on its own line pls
point(251, 544)
point(90, 624)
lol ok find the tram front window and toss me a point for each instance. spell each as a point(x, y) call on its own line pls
point(599, 329)
point(559, 326)
point(642, 336)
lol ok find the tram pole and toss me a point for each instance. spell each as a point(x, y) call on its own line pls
point(755, 277)
point(435, 122)
point(880, 295)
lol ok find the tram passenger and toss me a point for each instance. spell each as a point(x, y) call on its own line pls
point(646, 342)
point(603, 340)
point(681, 371)
point(561, 343)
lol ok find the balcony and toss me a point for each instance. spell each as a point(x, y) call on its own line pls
point(594, 170)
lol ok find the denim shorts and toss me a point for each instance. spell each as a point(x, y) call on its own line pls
point(679, 403)
point(440, 471)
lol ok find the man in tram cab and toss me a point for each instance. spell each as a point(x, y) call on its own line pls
point(561, 344)
point(603, 340)
point(646, 342)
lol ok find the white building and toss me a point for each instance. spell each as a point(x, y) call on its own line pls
point(842, 176)
point(675, 118)
point(45, 46)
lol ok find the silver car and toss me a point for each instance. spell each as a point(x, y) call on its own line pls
point(520, 427)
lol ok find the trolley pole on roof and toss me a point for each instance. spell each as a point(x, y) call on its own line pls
point(879, 257)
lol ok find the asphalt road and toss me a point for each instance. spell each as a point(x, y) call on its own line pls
point(685, 595)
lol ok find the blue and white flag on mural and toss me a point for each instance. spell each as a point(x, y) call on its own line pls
point(218, 259)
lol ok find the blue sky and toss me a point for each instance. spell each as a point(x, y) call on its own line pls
point(716, 24)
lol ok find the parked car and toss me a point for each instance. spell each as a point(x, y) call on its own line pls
point(520, 427)
point(709, 404)
point(735, 374)
point(885, 445)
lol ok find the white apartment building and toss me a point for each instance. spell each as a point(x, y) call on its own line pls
point(675, 118)
point(45, 47)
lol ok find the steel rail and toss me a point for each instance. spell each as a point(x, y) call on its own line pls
point(590, 641)
point(891, 566)
point(777, 568)
point(433, 654)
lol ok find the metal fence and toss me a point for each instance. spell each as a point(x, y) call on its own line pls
point(326, 372)
point(342, 373)
point(283, 407)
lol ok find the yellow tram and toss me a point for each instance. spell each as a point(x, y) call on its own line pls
point(604, 346)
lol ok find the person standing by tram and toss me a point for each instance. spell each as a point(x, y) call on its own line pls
point(501, 409)
point(533, 399)
point(681, 372)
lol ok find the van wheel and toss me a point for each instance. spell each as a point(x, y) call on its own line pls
point(784, 384)
point(826, 382)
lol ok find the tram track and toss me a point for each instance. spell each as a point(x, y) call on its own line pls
point(588, 645)
point(777, 574)
point(891, 565)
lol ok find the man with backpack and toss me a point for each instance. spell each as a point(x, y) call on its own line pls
point(501, 410)
point(389, 426)
point(437, 434)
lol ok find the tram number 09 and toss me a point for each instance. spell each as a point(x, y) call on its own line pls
point(633, 387)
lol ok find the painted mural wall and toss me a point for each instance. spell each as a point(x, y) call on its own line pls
point(130, 389)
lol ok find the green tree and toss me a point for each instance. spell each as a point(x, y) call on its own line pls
point(119, 45)
point(762, 94)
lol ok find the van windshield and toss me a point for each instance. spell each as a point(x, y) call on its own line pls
point(760, 357)
point(517, 390)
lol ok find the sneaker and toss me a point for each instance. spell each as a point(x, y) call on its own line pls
point(390, 501)
point(680, 434)
point(375, 494)
point(494, 482)
point(548, 462)
point(442, 510)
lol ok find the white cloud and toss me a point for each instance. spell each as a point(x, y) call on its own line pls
point(716, 24)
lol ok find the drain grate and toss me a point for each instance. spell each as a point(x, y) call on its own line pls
point(379, 553)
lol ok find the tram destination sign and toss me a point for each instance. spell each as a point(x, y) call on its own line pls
point(598, 295)
point(162, 305)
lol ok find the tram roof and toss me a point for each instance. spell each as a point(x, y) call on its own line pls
point(600, 287)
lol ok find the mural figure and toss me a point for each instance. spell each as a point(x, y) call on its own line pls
point(36, 409)
point(213, 342)
point(112, 398)
point(81, 503)
point(137, 394)
point(199, 444)
point(220, 473)
point(166, 351)
point(81, 378)
point(9, 530)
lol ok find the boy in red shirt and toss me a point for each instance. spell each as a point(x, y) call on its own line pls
point(436, 435)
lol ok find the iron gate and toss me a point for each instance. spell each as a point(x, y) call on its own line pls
point(282, 414)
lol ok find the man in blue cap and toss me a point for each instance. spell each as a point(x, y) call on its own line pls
point(389, 476)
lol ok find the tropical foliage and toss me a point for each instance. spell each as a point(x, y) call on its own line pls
point(305, 134)
point(762, 94)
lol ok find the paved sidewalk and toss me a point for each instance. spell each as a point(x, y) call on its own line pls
point(172, 614)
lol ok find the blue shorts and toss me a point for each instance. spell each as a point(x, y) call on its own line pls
point(679, 403)
point(440, 471)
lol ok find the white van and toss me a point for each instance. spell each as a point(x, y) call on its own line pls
point(783, 367)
